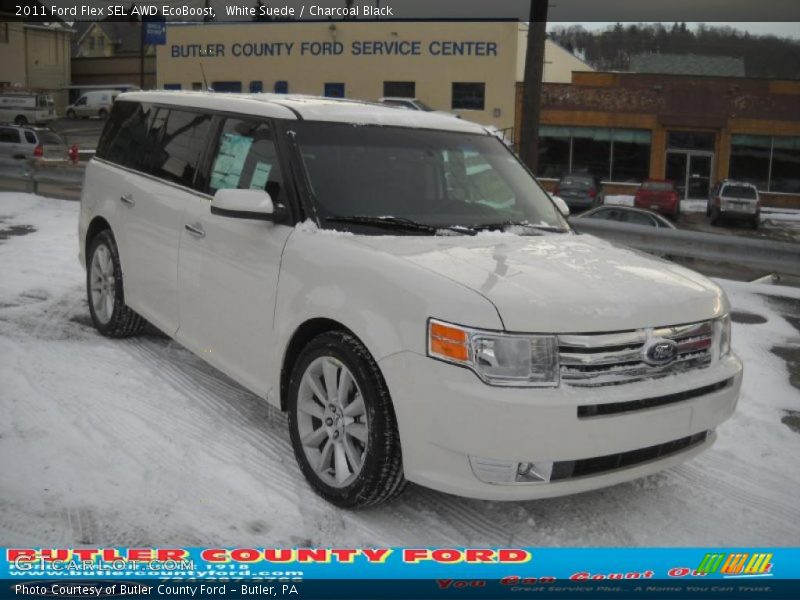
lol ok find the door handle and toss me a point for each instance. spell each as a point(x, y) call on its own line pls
point(196, 229)
point(127, 199)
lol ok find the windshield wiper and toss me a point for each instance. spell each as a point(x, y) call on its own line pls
point(392, 222)
point(502, 226)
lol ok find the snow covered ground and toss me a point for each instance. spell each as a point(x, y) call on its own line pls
point(139, 443)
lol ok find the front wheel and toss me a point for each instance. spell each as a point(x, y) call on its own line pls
point(342, 423)
point(110, 315)
point(71, 114)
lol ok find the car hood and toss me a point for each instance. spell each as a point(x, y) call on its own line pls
point(563, 283)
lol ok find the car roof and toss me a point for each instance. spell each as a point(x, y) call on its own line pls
point(628, 209)
point(737, 182)
point(310, 108)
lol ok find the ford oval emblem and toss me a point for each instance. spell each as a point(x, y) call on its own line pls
point(659, 352)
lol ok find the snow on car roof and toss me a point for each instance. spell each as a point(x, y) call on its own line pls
point(311, 108)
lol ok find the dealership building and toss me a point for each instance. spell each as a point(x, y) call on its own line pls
point(622, 127)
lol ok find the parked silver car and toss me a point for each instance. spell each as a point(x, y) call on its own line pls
point(33, 142)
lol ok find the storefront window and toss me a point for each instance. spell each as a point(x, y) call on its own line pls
point(690, 140)
point(554, 143)
point(609, 154)
point(785, 165)
point(591, 151)
point(750, 159)
point(631, 159)
point(770, 163)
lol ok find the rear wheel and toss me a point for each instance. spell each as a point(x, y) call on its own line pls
point(754, 222)
point(342, 423)
point(110, 315)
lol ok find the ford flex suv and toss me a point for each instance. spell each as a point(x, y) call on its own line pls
point(400, 284)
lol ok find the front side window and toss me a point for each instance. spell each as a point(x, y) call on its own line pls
point(246, 158)
point(81, 101)
point(435, 178)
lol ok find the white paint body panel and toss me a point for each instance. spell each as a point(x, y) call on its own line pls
point(236, 295)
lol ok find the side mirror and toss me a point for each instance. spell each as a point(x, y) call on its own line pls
point(243, 204)
point(561, 205)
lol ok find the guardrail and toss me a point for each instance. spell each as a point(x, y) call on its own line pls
point(35, 172)
point(771, 256)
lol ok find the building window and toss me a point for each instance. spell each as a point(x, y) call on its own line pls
point(234, 87)
point(772, 164)
point(172, 86)
point(610, 154)
point(334, 90)
point(399, 89)
point(256, 87)
point(281, 87)
point(690, 140)
point(468, 96)
point(197, 86)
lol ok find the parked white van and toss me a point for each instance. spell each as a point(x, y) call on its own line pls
point(92, 104)
point(403, 287)
point(23, 108)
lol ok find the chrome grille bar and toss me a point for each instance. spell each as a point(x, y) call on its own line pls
point(616, 358)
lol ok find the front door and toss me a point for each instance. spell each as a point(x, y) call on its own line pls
point(228, 267)
point(691, 172)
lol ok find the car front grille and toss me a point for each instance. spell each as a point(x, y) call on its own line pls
point(593, 360)
point(611, 462)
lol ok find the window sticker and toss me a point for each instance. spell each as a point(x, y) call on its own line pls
point(229, 164)
point(260, 176)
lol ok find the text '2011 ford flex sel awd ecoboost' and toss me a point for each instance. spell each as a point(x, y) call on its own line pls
point(403, 287)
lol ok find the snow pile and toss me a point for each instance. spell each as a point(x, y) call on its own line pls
point(139, 443)
point(618, 200)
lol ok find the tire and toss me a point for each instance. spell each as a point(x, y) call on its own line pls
point(21, 120)
point(71, 114)
point(110, 315)
point(754, 222)
point(102, 113)
point(370, 437)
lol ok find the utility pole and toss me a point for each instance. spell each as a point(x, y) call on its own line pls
point(528, 135)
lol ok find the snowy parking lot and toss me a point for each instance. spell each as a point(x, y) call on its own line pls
point(138, 443)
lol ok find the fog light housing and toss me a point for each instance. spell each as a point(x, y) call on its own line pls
point(490, 470)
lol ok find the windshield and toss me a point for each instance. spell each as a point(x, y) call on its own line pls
point(435, 178)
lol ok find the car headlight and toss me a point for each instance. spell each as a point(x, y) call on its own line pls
point(497, 358)
point(724, 335)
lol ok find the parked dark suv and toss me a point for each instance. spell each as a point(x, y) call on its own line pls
point(579, 190)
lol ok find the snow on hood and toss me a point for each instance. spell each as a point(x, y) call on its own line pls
point(564, 283)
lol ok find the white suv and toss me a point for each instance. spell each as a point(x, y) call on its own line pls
point(403, 287)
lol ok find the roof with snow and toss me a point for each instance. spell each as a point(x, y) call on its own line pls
point(688, 64)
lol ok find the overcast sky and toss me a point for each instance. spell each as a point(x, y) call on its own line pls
point(592, 14)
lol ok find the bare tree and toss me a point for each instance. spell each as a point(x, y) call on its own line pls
point(528, 134)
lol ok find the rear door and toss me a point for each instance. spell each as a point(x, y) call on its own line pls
point(156, 202)
point(228, 268)
point(10, 145)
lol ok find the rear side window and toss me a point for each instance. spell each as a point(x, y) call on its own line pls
point(49, 138)
point(177, 140)
point(124, 138)
point(9, 135)
point(29, 137)
point(739, 191)
point(246, 158)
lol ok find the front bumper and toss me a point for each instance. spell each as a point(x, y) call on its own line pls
point(446, 415)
